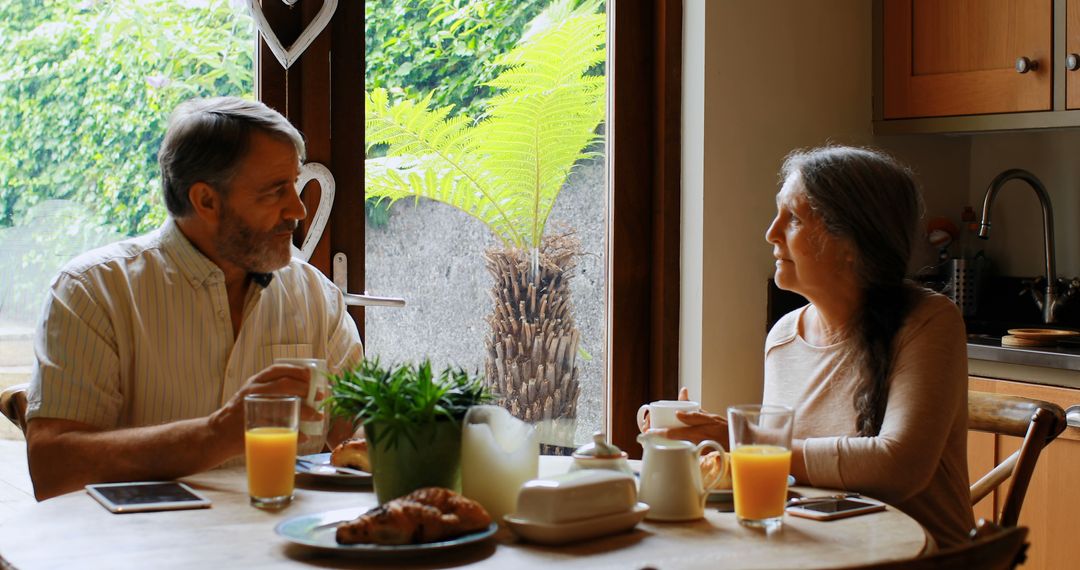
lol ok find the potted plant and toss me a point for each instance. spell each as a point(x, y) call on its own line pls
point(506, 170)
point(412, 421)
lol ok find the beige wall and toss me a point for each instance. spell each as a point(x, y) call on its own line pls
point(761, 78)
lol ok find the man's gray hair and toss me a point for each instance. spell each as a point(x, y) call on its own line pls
point(207, 139)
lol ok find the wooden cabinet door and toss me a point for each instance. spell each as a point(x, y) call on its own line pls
point(1051, 503)
point(1072, 46)
point(982, 456)
point(958, 57)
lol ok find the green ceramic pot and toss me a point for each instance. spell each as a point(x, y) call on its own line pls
point(401, 467)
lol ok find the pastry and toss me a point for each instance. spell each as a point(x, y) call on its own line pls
point(352, 453)
point(714, 471)
point(431, 514)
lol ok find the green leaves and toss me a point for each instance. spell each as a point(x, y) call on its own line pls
point(507, 169)
point(85, 92)
point(401, 398)
point(444, 47)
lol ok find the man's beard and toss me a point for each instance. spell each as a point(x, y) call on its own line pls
point(250, 249)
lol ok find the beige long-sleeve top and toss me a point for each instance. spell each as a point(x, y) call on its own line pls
point(918, 462)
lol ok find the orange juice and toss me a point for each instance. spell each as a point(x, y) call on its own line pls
point(759, 477)
point(271, 459)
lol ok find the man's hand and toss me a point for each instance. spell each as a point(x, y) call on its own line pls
point(164, 451)
point(227, 422)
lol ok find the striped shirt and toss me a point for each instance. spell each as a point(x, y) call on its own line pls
point(139, 333)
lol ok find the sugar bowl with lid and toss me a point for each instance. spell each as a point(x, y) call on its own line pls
point(599, 454)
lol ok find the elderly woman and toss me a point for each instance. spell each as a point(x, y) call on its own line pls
point(874, 367)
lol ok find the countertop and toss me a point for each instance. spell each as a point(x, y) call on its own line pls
point(1048, 365)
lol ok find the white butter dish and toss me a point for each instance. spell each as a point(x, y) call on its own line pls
point(562, 533)
point(574, 496)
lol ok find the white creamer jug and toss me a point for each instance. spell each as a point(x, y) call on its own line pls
point(499, 453)
point(671, 478)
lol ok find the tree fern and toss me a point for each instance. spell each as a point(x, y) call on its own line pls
point(507, 169)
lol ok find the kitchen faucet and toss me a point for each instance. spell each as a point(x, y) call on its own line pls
point(1049, 300)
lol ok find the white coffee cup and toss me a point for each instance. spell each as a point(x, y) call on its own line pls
point(318, 391)
point(662, 413)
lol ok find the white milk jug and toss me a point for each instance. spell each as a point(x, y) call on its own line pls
point(499, 453)
point(671, 478)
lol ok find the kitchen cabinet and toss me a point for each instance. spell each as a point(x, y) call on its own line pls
point(1051, 503)
point(959, 57)
point(976, 65)
point(1072, 57)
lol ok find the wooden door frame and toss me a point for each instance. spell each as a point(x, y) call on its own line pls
point(322, 94)
point(644, 223)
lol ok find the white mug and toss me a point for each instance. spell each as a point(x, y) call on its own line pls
point(318, 391)
point(662, 413)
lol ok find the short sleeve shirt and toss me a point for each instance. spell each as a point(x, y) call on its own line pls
point(139, 333)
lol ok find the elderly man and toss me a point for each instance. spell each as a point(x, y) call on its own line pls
point(147, 347)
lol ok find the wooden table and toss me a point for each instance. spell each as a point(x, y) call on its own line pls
point(74, 531)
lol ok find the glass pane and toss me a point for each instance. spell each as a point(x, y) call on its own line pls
point(85, 92)
point(486, 185)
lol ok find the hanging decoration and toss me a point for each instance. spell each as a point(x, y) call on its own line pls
point(315, 172)
point(288, 56)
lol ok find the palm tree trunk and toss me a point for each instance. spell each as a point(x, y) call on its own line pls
point(533, 343)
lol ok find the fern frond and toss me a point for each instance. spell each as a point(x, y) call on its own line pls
point(440, 160)
point(507, 170)
point(542, 124)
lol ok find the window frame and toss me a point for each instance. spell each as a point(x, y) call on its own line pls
point(322, 95)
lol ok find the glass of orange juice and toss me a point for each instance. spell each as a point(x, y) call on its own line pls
point(270, 434)
point(760, 438)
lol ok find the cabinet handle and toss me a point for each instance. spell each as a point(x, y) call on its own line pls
point(1072, 62)
point(1024, 65)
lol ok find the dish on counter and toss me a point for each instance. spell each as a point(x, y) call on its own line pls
point(1042, 334)
point(322, 471)
point(319, 531)
point(564, 532)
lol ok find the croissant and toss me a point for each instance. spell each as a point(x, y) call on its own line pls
point(352, 453)
point(430, 514)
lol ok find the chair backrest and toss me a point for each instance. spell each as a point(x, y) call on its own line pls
point(13, 404)
point(1002, 549)
point(1036, 421)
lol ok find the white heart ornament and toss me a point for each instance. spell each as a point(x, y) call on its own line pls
point(287, 56)
point(313, 171)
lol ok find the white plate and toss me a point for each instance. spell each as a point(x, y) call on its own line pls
point(561, 533)
point(725, 494)
point(319, 531)
point(323, 472)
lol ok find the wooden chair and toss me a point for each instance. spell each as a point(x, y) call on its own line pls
point(1036, 421)
point(13, 404)
point(994, 548)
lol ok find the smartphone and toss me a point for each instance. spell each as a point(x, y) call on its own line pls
point(147, 496)
point(830, 509)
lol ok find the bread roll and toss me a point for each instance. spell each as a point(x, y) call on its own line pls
point(714, 472)
point(352, 453)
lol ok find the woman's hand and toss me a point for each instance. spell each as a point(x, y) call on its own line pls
point(700, 425)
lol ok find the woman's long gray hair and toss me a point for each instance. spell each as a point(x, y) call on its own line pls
point(869, 199)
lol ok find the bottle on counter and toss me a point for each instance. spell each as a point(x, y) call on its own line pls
point(966, 272)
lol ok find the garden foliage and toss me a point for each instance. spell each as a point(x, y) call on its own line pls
point(85, 92)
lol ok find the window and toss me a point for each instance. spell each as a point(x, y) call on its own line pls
point(322, 94)
point(485, 129)
point(85, 92)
